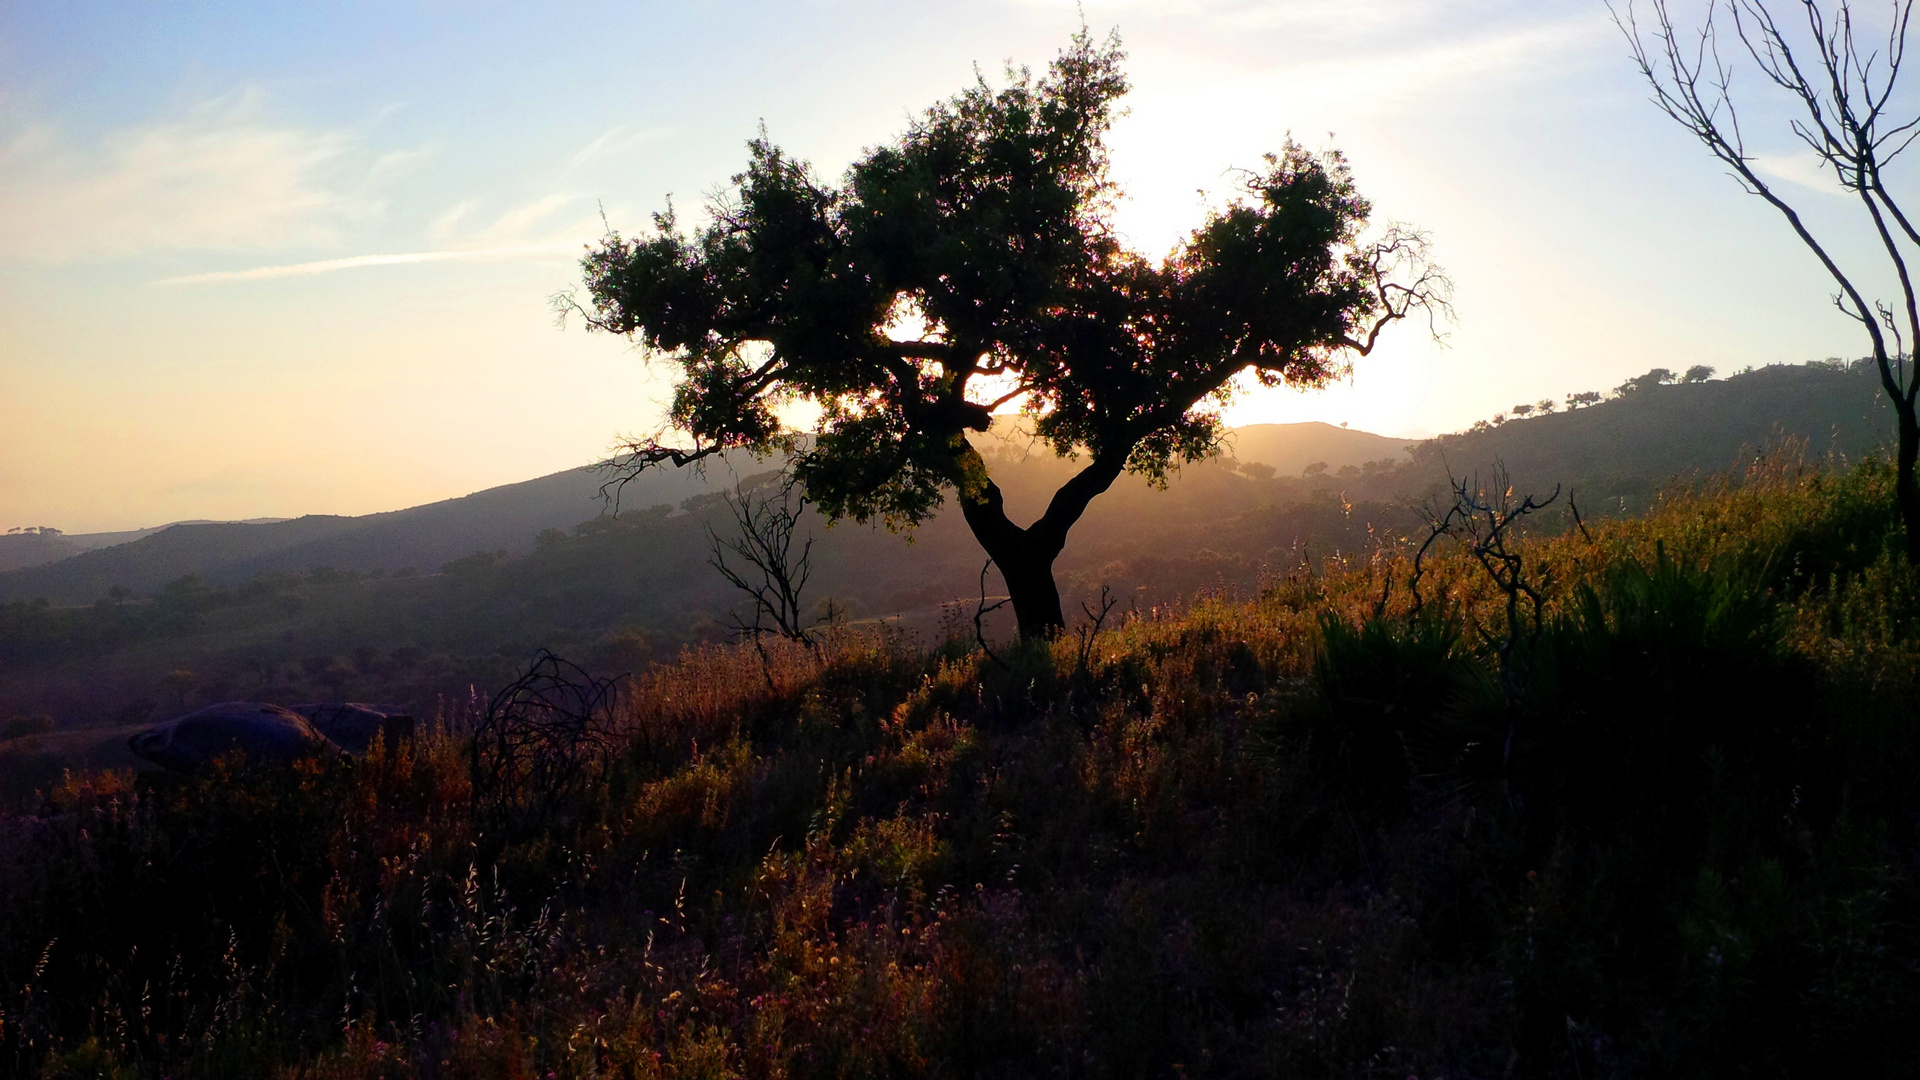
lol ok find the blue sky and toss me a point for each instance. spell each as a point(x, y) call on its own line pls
point(272, 259)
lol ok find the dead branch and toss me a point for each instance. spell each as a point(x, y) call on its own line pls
point(758, 558)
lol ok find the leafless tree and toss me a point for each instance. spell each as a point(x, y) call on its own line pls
point(1484, 519)
point(1841, 79)
point(542, 737)
point(759, 559)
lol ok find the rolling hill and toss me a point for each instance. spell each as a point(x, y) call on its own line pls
point(326, 606)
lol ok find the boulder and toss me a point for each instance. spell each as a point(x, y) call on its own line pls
point(262, 732)
point(353, 725)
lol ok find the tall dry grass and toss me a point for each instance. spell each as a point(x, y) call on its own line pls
point(1308, 833)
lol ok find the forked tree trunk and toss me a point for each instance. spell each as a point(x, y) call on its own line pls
point(1025, 555)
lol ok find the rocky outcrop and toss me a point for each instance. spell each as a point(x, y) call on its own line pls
point(262, 732)
point(354, 725)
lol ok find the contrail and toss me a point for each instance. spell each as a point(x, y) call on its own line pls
point(354, 262)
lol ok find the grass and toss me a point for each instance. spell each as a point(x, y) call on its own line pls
point(1312, 834)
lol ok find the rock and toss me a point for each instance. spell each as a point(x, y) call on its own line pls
point(353, 725)
point(262, 732)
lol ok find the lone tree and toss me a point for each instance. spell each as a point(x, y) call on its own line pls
point(971, 266)
point(1841, 92)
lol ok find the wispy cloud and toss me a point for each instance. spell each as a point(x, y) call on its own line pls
point(516, 224)
point(1373, 52)
point(1803, 168)
point(357, 262)
point(1320, 19)
point(617, 141)
point(217, 177)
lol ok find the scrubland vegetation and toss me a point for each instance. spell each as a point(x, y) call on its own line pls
point(1666, 828)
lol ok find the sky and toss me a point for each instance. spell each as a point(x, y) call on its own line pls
point(269, 259)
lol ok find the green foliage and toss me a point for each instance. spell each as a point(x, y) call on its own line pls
point(973, 263)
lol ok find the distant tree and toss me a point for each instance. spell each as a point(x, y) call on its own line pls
point(119, 594)
point(20, 727)
point(1521, 410)
point(1583, 399)
point(1545, 405)
point(1847, 116)
point(1657, 377)
point(973, 265)
point(475, 566)
point(1257, 470)
point(1318, 468)
point(624, 650)
point(179, 682)
point(1498, 419)
point(1698, 373)
point(333, 673)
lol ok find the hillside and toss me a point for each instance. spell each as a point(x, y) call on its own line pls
point(509, 518)
point(358, 607)
point(1291, 448)
point(1621, 448)
point(1629, 445)
point(36, 548)
point(505, 518)
point(1666, 829)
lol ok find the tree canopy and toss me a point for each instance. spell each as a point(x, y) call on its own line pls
point(970, 266)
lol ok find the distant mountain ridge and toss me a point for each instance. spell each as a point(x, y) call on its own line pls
point(505, 518)
point(1291, 448)
point(34, 548)
point(1626, 445)
point(1646, 436)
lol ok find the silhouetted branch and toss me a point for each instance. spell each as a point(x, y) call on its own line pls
point(636, 456)
point(759, 559)
point(984, 609)
point(542, 734)
point(1577, 519)
point(1090, 633)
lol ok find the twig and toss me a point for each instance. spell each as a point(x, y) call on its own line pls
point(980, 613)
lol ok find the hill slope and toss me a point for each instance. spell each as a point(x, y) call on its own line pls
point(506, 518)
point(1314, 834)
point(509, 518)
point(1291, 448)
point(615, 592)
point(1619, 450)
point(1630, 444)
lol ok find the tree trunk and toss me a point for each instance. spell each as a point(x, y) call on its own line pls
point(1905, 494)
point(1036, 598)
point(1026, 566)
point(1025, 555)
